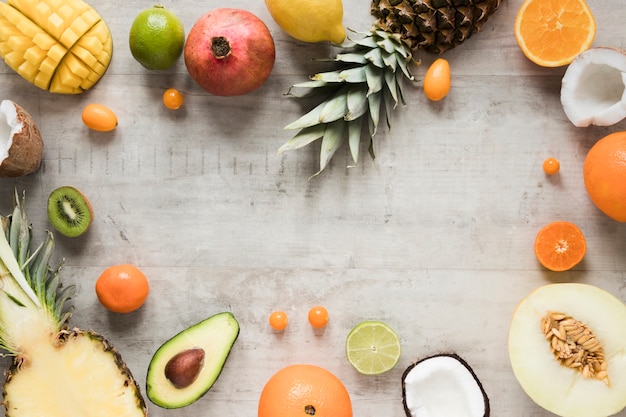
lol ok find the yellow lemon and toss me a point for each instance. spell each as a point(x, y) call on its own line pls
point(309, 20)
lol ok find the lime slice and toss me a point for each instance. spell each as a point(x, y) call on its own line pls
point(373, 348)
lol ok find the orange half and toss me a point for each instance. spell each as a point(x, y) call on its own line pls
point(551, 33)
point(560, 246)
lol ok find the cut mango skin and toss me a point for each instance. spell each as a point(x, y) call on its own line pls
point(63, 46)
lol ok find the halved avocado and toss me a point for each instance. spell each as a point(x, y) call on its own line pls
point(185, 367)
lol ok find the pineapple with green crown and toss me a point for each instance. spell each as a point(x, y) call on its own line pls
point(368, 84)
point(56, 371)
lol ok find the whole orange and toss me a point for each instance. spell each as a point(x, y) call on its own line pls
point(604, 172)
point(122, 288)
point(304, 391)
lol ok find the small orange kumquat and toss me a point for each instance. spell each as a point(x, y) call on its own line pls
point(551, 166)
point(173, 99)
point(278, 320)
point(318, 317)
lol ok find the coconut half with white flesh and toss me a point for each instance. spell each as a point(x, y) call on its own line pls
point(593, 88)
point(567, 347)
point(443, 385)
point(21, 146)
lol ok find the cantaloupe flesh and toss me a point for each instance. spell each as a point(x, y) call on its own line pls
point(558, 389)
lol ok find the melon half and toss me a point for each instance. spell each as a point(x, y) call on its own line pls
point(558, 383)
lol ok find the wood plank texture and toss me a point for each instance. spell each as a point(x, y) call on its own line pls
point(433, 237)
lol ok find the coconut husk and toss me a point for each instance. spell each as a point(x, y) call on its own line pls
point(26, 150)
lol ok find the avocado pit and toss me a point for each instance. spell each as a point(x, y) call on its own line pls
point(184, 367)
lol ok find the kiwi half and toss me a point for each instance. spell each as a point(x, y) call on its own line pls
point(69, 211)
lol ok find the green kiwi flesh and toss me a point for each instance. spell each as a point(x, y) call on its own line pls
point(69, 211)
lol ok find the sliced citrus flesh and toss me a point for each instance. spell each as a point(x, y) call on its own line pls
point(560, 245)
point(552, 33)
point(373, 348)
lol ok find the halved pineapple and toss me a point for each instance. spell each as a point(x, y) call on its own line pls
point(56, 372)
point(62, 46)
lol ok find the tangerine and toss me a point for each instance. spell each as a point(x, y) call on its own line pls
point(560, 245)
point(604, 173)
point(302, 391)
point(553, 33)
point(122, 288)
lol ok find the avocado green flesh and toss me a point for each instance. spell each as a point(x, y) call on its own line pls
point(216, 336)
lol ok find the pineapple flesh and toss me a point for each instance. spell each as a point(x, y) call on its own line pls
point(63, 46)
point(368, 84)
point(56, 371)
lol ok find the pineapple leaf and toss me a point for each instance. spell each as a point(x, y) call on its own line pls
point(353, 75)
point(356, 103)
point(335, 108)
point(14, 299)
point(390, 61)
point(8, 259)
point(370, 150)
point(375, 56)
point(368, 42)
point(303, 138)
point(388, 45)
point(356, 95)
point(327, 77)
point(354, 138)
point(332, 140)
point(309, 119)
point(405, 69)
point(374, 77)
point(309, 84)
point(14, 232)
point(392, 85)
point(351, 58)
point(388, 107)
point(374, 101)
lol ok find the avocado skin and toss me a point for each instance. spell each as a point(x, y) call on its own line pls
point(216, 335)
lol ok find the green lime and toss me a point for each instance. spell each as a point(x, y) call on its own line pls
point(157, 37)
point(373, 348)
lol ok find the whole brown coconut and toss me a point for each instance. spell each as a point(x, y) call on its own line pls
point(229, 52)
point(21, 146)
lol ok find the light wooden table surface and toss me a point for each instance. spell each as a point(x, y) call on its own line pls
point(434, 237)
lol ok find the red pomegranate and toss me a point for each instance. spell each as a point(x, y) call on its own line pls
point(229, 52)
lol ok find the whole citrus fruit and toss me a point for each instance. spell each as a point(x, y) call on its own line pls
point(604, 172)
point(157, 38)
point(303, 391)
point(309, 20)
point(122, 288)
